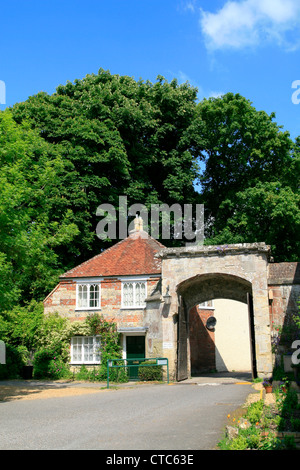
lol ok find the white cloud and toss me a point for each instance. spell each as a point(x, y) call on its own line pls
point(215, 94)
point(188, 5)
point(250, 23)
point(202, 93)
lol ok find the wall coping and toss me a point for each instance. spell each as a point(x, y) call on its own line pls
point(285, 273)
point(212, 250)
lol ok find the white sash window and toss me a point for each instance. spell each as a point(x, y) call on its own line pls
point(88, 296)
point(85, 350)
point(134, 294)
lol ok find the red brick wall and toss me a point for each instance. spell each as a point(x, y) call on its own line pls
point(63, 301)
point(202, 341)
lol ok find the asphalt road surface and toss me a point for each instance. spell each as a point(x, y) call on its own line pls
point(180, 416)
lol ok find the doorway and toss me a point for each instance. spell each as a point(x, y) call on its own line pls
point(219, 337)
point(203, 288)
point(135, 353)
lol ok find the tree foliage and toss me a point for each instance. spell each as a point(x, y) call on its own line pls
point(29, 233)
point(267, 212)
point(116, 137)
point(62, 155)
point(250, 184)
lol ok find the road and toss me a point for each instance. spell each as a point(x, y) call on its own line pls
point(180, 416)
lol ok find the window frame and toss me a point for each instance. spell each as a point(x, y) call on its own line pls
point(206, 307)
point(96, 344)
point(88, 284)
point(133, 281)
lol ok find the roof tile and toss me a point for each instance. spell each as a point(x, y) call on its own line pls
point(132, 256)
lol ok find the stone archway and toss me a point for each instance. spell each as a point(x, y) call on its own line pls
point(205, 287)
point(214, 285)
point(195, 274)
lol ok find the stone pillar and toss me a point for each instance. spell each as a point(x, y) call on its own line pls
point(152, 321)
point(264, 362)
point(169, 320)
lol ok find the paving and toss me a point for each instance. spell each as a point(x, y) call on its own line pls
point(78, 415)
point(203, 379)
point(11, 390)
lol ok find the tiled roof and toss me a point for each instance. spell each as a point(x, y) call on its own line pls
point(132, 256)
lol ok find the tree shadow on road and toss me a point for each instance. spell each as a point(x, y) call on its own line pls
point(19, 389)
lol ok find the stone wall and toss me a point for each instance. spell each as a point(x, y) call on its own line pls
point(201, 341)
point(198, 274)
point(243, 266)
point(284, 290)
point(284, 295)
point(63, 301)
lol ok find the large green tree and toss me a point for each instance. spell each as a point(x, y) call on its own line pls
point(117, 137)
point(250, 184)
point(268, 212)
point(29, 235)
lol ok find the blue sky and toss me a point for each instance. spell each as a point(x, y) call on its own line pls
point(251, 47)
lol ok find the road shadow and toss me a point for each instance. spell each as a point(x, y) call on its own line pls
point(20, 389)
point(219, 376)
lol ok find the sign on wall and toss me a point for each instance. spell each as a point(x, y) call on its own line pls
point(2, 352)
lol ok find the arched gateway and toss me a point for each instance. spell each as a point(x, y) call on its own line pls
point(193, 274)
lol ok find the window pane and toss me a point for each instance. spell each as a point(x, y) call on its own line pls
point(94, 295)
point(140, 293)
point(96, 349)
point(82, 295)
point(88, 349)
point(207, 303)
point(77, 349)
point(85, 349)
point(128, 294)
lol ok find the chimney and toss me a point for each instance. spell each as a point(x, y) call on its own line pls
point(138, 231)
point(138, 224)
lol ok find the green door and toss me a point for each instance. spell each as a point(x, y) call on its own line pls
point(135, 347)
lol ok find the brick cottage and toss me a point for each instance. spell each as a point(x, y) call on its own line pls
point(204, 308)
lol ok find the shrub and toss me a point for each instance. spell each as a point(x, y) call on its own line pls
point(253, 438)
point(58, 369)
point(47, 363)
point(55, 333)
point(289, 443)
point(83, 373)
point(295, 424)
point(150, 372)
point(238, 443)
point(13, 367)
point(290, 403)
point(18, 327)
point(254, 412)
point(270, 442)
point(118, 374)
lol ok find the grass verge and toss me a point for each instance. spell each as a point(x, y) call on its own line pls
point(265, 425)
